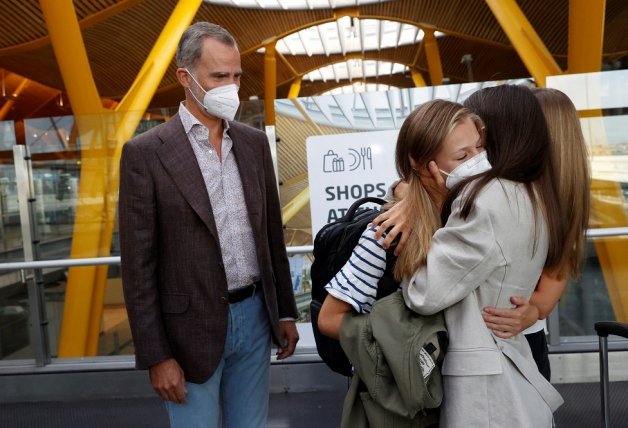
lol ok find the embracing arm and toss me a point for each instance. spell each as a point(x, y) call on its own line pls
point(506, 323)
point(548, 292)
point(462, 255)
point(330, 316)
point(396, 220)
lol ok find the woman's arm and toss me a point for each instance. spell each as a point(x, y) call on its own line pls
point(548, 291)
point(396, 220)
point(330, 316)
point(462, 255)
point(506, 323)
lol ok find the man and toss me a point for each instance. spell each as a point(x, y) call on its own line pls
point(205, 271)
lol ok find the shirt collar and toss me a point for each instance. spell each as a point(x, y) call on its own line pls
point(189, 120)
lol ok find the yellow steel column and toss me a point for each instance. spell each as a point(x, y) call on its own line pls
point(295, 88)
point(417, 78)
point(6, 107)
point(99, 175)
point(270, 82)
point(537, 59)
point(433, 56)
point(130, 111)
point(586, 38)
point(295, 205)
point(586, 35)
point(67, 42)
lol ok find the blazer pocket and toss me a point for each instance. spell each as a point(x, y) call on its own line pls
point(174, 303)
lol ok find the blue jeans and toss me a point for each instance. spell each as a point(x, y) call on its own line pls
point(238, 389)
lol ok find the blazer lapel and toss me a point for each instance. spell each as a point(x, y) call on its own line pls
point(179, 160)
point(248, 164)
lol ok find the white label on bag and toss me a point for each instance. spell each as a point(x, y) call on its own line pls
point(427, 363)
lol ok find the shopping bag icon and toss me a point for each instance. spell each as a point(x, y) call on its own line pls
point(332, 162)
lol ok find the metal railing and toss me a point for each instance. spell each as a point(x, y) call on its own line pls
point(43, 362)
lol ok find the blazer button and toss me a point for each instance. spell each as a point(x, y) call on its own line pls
point(224, 299)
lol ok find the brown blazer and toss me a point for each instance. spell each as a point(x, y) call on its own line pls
point(173, 275)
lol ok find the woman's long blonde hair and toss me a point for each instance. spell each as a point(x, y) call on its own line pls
point(420, 139)
point(571, 163)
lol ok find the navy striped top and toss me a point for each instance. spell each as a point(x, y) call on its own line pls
point(356, 282)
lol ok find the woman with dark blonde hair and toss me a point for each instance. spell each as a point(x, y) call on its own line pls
point(571, 167)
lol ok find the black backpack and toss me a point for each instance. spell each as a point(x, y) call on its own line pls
point(333, 246)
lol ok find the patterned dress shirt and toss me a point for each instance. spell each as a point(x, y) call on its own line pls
point(224, 186)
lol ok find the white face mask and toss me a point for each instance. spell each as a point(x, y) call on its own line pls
point(221, 102)
point(476, 165)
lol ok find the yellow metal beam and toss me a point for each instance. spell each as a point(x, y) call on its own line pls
point(417, 78)
point(130, 111)
point(6, 107)
point(270, 82)
point(586, 35)
point(433, 56)
point(95, 213)
point(607, 205)
point(67, 43)
point(295, 88)
point(283, 59)
point(537, 59)
point(294, 206)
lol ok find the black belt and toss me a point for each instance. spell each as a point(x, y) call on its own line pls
point(243, 293)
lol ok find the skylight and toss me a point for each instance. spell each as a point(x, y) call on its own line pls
point(292, 4)
point(355, 69)
point(357, 87)
point(350, 34)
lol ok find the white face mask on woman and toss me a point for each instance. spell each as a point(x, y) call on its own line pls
point(222, 102)
point(473, 166)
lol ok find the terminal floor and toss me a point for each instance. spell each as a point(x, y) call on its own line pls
point(302, 410)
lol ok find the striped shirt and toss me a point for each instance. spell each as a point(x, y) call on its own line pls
point(356, 282)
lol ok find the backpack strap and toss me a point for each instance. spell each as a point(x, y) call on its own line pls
point(354, 207)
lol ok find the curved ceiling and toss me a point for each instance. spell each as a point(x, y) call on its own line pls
point(119, 34)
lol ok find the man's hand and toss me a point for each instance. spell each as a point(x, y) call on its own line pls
point(506, 323)
point(168, 381)
point(289, 338)
point(397, 220)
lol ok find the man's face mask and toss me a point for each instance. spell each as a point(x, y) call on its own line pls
point(473, 166)
point(221, 102)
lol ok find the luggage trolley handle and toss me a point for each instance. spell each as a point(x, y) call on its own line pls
point(603, 329)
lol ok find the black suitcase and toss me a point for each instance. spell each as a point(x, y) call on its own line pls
point(603, 329)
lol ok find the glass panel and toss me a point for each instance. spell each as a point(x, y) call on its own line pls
point(301, 283)
point(14, 308)
point(587, 300)
point(602, 293)
point(63, 149)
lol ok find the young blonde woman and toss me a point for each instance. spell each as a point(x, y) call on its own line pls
point(451, 134)
point(437, 130)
